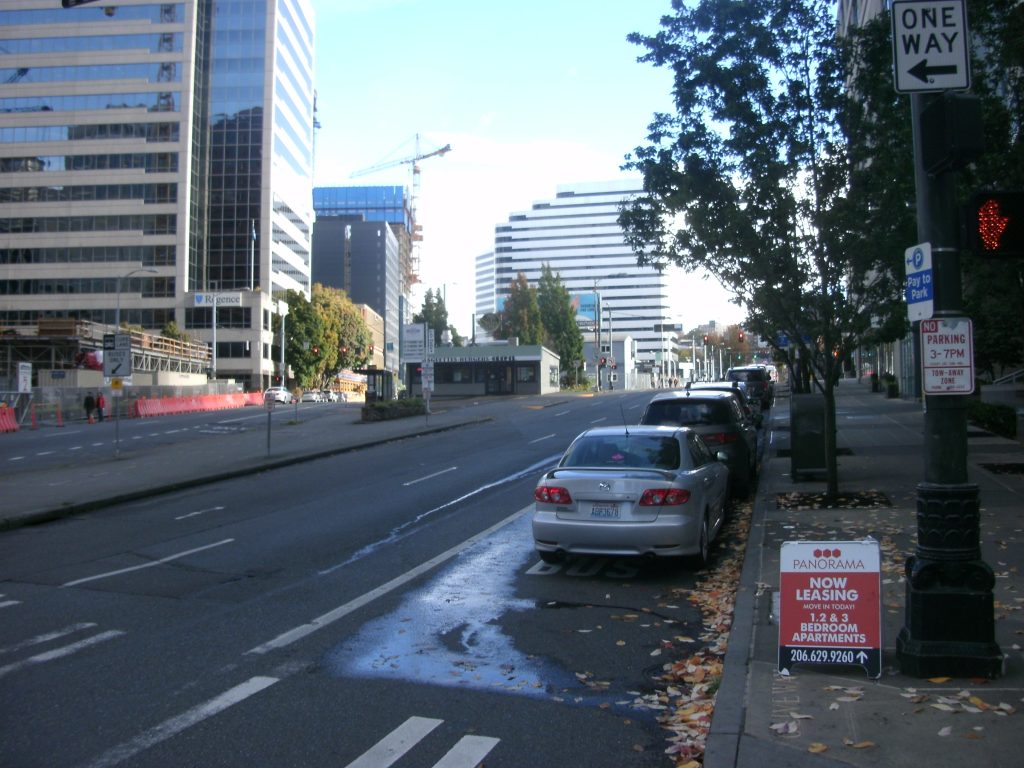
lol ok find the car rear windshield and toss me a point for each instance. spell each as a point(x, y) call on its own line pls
point(749, 374)
point(632, 451)
point(687, 413)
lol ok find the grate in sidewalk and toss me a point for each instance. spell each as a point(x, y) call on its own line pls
point(1006, 468)
point(806, 500)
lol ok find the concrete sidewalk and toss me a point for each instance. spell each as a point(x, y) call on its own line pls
point(828, 715)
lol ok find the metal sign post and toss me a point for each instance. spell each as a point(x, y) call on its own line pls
point(949, 622)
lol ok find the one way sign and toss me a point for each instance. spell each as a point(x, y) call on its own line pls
point(929, 45)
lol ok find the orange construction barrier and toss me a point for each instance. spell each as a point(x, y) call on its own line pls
point(164, 406)
point(8, 423)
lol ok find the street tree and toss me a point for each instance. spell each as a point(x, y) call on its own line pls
point(758, 179)
point(434, 313)
point(324, 335)
point(561, 332)
point(522, 318)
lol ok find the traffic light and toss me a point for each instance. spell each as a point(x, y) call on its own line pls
point(740, 337)
point(604, 361)
point(705, 339)
point(996, 224)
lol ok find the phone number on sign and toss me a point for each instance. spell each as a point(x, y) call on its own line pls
point(822, 656)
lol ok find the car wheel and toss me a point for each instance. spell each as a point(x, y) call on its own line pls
point(551, 558)
point(703, 556)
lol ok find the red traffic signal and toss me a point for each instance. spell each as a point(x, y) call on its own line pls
point(604, 361)
point(741, 337)
point(996, 224)
point(705, 339)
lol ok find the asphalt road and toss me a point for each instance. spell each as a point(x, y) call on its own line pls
point(336, 613)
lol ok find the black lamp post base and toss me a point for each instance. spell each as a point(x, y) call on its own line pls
point(949, 621)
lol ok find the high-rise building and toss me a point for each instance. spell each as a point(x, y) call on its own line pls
point(577, 234)
point(155, 158)
point(361, 258)
point(362, 244)
point(485, 291)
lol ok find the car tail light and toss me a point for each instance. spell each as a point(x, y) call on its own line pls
point(720, 438)
point(664, 497)
point(552, 494)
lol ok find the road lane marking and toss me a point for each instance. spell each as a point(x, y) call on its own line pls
point(47, 637)
point(428, 477)
point(16, 458)
point(598, 421)
point(539, 439)
point(161, 561)
point(562, 413)
point(388, 750)
point(200, 512)
point(469, 752)
point(320, 622)
point(58, 653)
point(175, 725)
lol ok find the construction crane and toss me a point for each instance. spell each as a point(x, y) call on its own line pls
point(414, 161)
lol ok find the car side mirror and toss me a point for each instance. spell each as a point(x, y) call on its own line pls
point(722, 456)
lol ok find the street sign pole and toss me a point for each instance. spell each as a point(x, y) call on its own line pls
point(949, 625)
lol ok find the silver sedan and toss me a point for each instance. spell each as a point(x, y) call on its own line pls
point(650, 491)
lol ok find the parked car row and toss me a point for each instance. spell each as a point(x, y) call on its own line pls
point(282, 395)
point(659, 489)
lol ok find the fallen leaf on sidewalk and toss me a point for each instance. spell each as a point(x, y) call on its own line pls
point(859, 745)
point(939, 680)
point(817, 748)
point(946, 731)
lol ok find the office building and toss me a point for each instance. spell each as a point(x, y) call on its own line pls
point(362, 259)
point(156, 167)
point(363, 244)
point(577, 234)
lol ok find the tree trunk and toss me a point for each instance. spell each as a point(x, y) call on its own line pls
point(831, 461)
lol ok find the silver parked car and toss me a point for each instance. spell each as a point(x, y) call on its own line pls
point(648, 491)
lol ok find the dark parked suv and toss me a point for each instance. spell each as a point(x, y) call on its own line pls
point(755, 379)
point(719, 419)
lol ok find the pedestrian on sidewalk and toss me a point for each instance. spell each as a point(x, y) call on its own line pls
point(101, 403)
point(89, 404)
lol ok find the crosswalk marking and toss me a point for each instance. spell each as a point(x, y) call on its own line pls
point(467, 753)
point(58, 653)
point(386, 751)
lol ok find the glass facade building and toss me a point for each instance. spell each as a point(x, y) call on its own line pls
point(361, 244)
point(154, 151)
point(577, 234)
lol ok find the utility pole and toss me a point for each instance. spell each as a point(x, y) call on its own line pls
point(949, 625)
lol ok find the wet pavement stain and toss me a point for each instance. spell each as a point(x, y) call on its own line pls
point(447, 632)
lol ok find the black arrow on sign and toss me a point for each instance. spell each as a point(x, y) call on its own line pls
point(922, 71)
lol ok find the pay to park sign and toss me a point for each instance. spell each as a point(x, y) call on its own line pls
point(830, 607)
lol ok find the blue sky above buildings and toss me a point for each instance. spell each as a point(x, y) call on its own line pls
point(530, 95)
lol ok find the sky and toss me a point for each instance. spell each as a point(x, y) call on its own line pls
point(530, 95)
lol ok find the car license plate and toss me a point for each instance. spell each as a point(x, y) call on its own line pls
point(605, 511)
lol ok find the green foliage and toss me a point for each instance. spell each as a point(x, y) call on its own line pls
point(558, 319)
point(323, 336)
point(434, 313)
point(522, 318)
point(999, 419)
point(393, 409)
point(172, 331)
